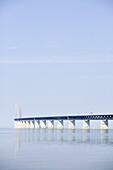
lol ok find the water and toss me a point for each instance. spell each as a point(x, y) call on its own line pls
point(56, 149)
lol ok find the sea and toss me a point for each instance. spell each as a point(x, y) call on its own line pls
point(44, 149)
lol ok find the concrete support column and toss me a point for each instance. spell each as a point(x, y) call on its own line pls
point(31, 124)
point(50, 124)
point(43, 124)
point(16, 124)
point(27, 124)
point(86, 124)
point(24, 124)
point(59, 124)
point(20, 124)
point(71, 124)
point(104, 124)
point(36, 124)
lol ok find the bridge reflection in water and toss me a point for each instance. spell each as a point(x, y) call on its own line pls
point(64, 136)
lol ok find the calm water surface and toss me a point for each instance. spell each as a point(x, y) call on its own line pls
point(56, 149)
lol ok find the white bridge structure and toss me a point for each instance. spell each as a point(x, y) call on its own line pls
point(43, 121)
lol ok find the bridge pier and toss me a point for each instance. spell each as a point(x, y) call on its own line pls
point(50, 124)
point(86, 124)
point(71, 124)
point(59, 124)
point(28, 124)
point(36, 124)
point(20, 124)
point(16, 124)
point(104, 124)
point(23, 124)
point(43, 124)
point(31, 124)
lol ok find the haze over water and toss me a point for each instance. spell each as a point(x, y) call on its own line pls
point(46, 149)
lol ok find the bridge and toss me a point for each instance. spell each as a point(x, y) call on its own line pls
point(41, 121)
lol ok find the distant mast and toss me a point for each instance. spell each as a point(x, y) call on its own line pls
point(18, 114)
point(20, 111)
point(16, 111)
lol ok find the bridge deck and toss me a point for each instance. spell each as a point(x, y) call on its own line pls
point(93, 116)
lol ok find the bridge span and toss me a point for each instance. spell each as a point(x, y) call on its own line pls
point(41, 121)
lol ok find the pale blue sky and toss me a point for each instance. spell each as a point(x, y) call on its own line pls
point(56, 56)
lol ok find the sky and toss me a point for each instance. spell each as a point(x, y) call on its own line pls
point(56, 57)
